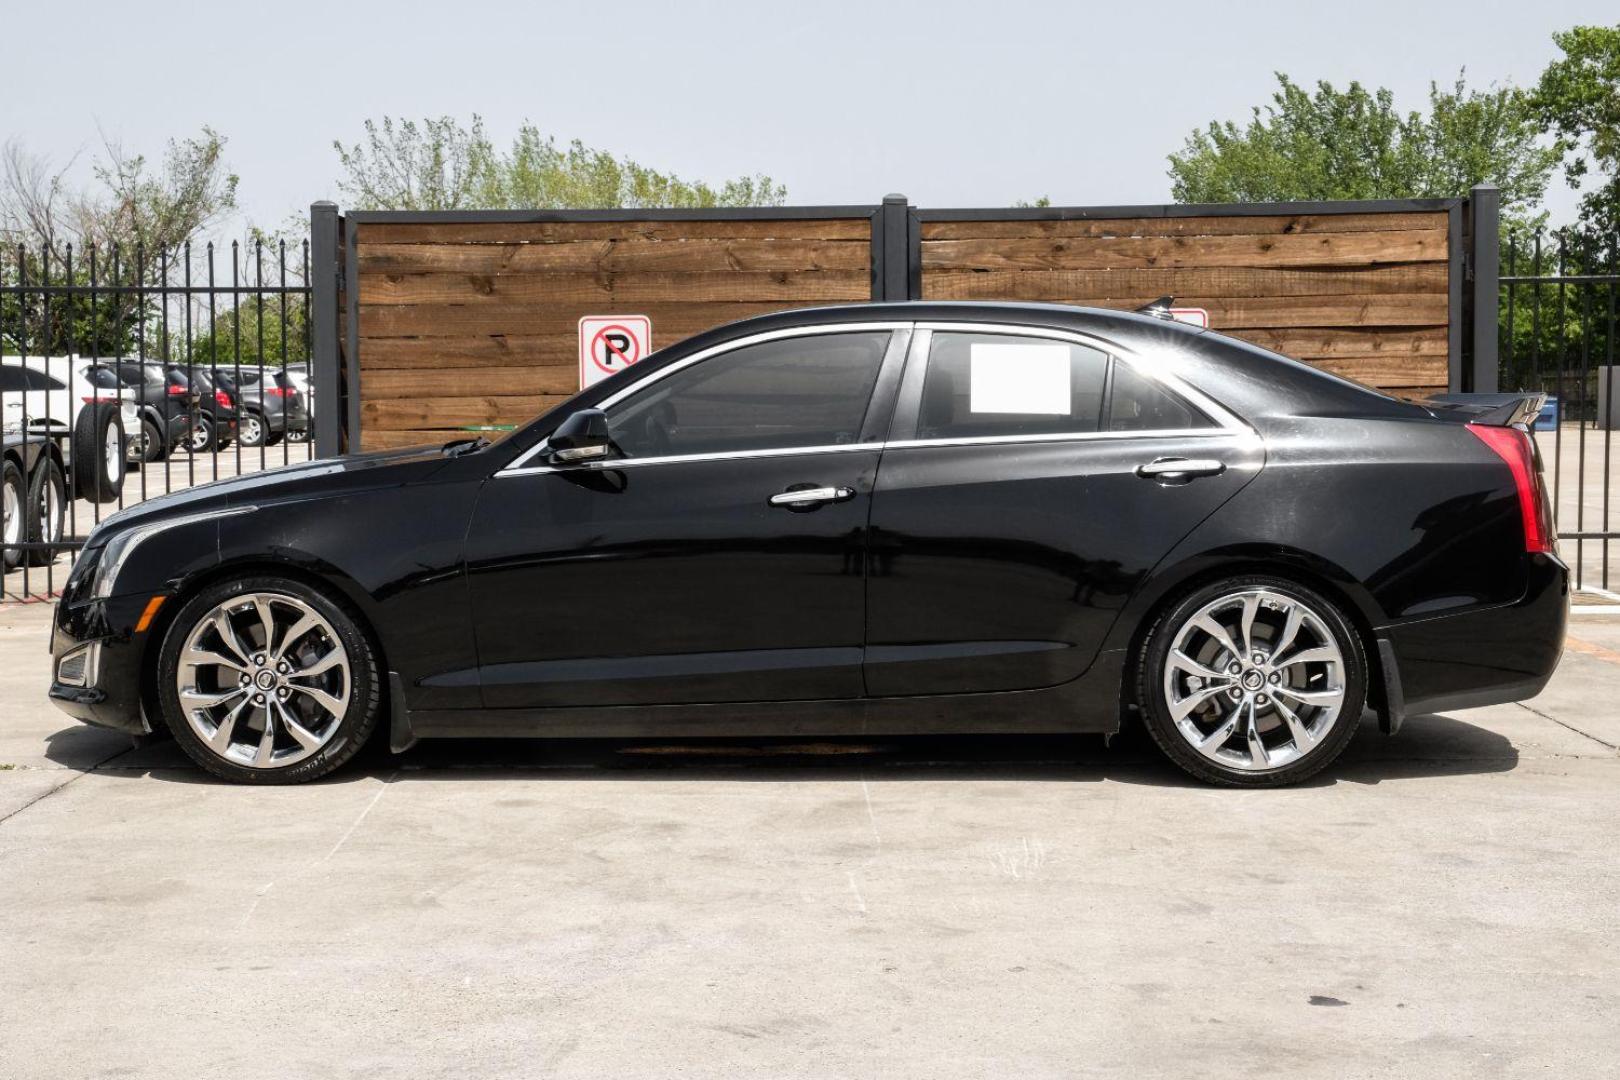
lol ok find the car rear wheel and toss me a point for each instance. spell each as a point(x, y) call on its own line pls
point(251, 429)
point(201, 439)
point(47, 495)
point(145, 443)
point(1252, 681)
point(266, 680)
point(11, 513)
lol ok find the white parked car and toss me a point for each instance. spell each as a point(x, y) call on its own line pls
point(56, 397)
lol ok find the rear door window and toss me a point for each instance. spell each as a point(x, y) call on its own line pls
point(1139, 403)
point(989, 385)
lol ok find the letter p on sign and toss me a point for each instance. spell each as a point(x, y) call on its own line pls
point(610, 343)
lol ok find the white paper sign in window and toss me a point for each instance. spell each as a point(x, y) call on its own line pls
point(1008, 378)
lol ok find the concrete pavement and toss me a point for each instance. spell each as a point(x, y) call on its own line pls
point(1439, 904)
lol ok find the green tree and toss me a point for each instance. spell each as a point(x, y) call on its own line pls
point(120, 228)
point(1578, 97)
point(439, 164)
point(1355, 144)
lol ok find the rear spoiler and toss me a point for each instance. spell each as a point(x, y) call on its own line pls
point(1488, 410)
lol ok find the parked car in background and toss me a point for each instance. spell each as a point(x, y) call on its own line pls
point(303, 380)
point(33, 491)
point(163, 406)
point(58, 397)
point(213, 423)
point(271, 404)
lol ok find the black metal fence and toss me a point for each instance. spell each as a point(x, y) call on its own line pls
point(1558, 326)
point(129, 374)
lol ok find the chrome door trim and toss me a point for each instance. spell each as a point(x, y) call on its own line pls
point(728, 455)
point(517, 466)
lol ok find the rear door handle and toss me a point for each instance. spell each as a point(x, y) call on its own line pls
point(807, 498)
point(1175, 468)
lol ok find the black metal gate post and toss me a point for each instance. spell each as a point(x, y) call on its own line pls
point(1484, 274)
point(326, 266)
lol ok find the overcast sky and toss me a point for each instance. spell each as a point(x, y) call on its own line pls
point(952, 103)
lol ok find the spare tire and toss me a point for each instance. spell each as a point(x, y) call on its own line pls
point(98, 453)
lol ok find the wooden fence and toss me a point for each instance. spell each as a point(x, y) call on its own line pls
point(451, 322)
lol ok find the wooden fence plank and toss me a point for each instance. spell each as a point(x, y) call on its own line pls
point(600, 290)
point(1229, 313)
point(1387, 370)
point(1105, 253)
point(1233, 225)
point(1323, 343)
point(540, 232)
point(520, 380)
point(598, 256)
point(1082, 285)
point(671, 322)
point(446, 412)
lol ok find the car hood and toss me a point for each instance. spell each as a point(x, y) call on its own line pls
point(310, 479)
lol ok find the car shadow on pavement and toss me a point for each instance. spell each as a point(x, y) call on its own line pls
point(1428, 746)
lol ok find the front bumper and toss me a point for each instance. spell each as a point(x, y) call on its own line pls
point(111, 697)
point(1480, 657)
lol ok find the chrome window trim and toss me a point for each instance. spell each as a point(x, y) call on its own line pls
point(1228, 424)
point(1071, 436)
point(517, 467)
point(1144, 365)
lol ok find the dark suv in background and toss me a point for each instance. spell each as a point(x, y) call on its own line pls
point(271, 404)
point(258, 411)
point(165, 406)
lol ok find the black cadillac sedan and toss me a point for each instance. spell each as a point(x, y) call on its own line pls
point(888, 519)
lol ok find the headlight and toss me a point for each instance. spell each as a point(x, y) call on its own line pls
point(119, 547)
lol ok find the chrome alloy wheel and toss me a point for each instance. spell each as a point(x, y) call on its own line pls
point(263, 680)
point(1254, 680)
point(112, 453)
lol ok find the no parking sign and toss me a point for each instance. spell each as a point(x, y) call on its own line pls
point(610, 343)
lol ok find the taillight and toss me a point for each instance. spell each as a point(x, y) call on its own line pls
point(177, 391)
point(223, 399)
point(99, 400)
point(1513, 446)
point(279, 391)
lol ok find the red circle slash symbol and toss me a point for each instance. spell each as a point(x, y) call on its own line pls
point(614, 348)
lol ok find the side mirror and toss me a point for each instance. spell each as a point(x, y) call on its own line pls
point(581, 437)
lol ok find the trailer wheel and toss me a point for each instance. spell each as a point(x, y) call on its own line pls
point(47, 495)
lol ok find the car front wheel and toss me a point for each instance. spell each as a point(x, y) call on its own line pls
point(1252, 681)
point(265, 680)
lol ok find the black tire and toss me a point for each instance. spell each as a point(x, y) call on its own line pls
point(202, 437)
point(365, 698)
point(1151, 695)
point(251, 429)
point(13, 513)
point(93, 476)
point(47, 501)
point(274, 437)
point(148, 447)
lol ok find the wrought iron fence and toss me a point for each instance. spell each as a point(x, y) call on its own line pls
point(1557, 336)
point(130, 374)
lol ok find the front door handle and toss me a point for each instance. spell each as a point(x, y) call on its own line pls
point(1172, 469)
point(809, 498)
